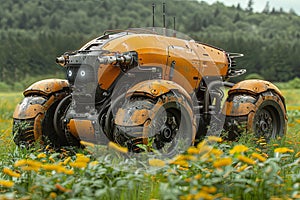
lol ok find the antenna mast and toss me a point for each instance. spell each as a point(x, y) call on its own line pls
point(153, 14)
point(174, 28)
point(164, 14)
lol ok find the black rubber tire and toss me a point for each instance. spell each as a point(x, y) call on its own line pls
point(23, 132)
point(171, 129)
point(23, 129)
point(268, 120)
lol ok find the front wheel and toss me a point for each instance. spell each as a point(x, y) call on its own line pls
point(33, 121)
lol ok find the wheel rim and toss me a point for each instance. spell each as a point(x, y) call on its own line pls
point(171, 131)
point(165, 130)
point(267, 122)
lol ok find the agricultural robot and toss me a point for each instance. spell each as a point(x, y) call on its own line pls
point(148, 87)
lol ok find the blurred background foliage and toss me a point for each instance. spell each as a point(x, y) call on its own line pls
point(34, 32)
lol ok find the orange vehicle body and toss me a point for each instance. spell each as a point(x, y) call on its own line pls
point(133, 85)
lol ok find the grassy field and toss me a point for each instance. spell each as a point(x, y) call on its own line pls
point(215, 169)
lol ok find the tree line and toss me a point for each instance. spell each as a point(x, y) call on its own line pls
point(34, 32)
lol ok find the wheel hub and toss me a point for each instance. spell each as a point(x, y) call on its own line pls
point(166, 133)
point(264, 124)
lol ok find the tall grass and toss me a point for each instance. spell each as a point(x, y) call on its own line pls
point(215, 169)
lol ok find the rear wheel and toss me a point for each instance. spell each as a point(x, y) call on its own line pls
point(263, 114)
point(269, 120)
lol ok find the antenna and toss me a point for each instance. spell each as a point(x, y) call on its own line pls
point(174, 20)
point(164, 14)
point(153, 14)
point(174, 28)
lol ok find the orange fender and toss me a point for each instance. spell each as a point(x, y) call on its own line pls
point(38, 99)
point(244, 104)
point(156, 88)
point(46, 87)
point(254, 87)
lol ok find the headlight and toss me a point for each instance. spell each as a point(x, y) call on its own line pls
point(80, 74)
point(70, 73)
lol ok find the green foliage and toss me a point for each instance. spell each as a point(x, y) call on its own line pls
point(295, 83)
point(292, 84)
point(33, 33)
point(98, 173)
point(254, 76)
point(4, 87)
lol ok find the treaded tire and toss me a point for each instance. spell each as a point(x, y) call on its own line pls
point(23, 129)
point(268, 118)
point(170, 127)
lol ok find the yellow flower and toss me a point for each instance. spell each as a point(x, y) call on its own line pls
point(259, 157)
point(265, 155)
point(34, 163)
point(156, 163)
point(28, 165)
point(61, 188)
point(257, 149)
point(261, 140)
point(51, 167)
point(84, 143)
point(210, 190)
point(203, 195)
point(94, 163)
point(214, 139)
point(78, 164)
point(205, 149)
point(298, 121)
point(20, 163)
point(198, 176)
point(222, 162)
point(216, 152)
point(242, 168)
point(283, 150)
point(41, 155)
point(183, 168)
point(5, 183)
point(190, 157)
point(68, 171)
point(201, 144)
point(239, 149)
point(297, 155)
point(67, 160)
point(29, 168)
point(182, 163)
point(188, 180)
point(291, 125)
point(193, 150)
point(53, 195)
point(117, 147)
point(79, 155)
point(246, 159)
point(187, 197)
point(83, 159)
point(11, 172)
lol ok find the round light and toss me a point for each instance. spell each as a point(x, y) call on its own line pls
point(70, 73)
point(82, 73)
